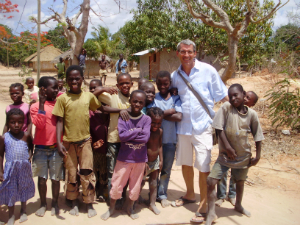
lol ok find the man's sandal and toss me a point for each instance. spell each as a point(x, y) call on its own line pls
point(194, 220)
point(183, 202)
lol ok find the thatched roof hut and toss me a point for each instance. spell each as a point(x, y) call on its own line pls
point(47, 54)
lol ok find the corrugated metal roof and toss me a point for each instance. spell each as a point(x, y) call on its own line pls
point(144, 52)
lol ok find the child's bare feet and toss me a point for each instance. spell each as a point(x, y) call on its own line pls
point(91, 211)
point(141, 200)
point(240, 209)
point(11, 220)
point(41, 211)
point(119, 204)
point(131, 213)
point(219, 202)
point(108, 214)
point(54, 209)
point(164, 203)
point(232, 201)
point(211, 218)
point(153, 208)
point(23, 218)
point(74, 211)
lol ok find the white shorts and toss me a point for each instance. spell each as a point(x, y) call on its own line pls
point(202, 144)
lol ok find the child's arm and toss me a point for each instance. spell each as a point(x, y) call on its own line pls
point(160, 150)
point(29, 124)
point(123, 112)
point(230, 151)
point(175, 117)
point(255, 160)
point(99, 90)
point(30, 146)
point(126, 134)
point(5, 128)
point(59, 130)
point(144, 134)
point(174, 114)
point(2, 148)
point(38, 116)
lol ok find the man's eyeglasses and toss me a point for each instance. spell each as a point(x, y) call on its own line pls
point(188, 52)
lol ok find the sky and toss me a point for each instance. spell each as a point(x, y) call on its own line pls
point(110, 15)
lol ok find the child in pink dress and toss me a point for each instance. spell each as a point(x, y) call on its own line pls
point(16, 91)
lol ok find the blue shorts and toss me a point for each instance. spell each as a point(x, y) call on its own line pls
point(45, 160)
point(237, 174)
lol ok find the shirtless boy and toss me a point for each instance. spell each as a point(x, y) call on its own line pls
point(154, 153)
point(103, 69)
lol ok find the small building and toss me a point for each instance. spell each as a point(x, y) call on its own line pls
point(92, 64)
point(152, 61)
point(47, 54)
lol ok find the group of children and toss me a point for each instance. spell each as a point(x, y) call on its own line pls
point(103, 139)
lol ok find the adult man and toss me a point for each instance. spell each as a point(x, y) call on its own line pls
point(121, 65)
point(103, 69)
point(60, 68)
point(195, 129)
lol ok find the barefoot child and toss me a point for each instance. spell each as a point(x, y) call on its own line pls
point(233, 122)
point(117, 103)
point(250, 100)
point(31, 93)
point(46, 158)
point(171, 106)
point(99, 122)
point(72, 111)
point(16, 93)
point(17, 183)
point(154, 154)
point(132, 157)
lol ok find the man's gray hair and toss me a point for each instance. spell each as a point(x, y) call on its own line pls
point(186, 42)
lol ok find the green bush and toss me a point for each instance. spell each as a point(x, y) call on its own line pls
point(285, 105)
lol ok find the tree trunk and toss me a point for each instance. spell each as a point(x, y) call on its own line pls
point(232, 49)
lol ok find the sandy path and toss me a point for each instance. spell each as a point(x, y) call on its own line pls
point(274, 201)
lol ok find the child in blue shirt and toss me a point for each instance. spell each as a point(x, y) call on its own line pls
point(171, 105)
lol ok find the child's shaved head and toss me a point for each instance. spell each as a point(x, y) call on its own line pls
point(141, 82)
point(146, 85)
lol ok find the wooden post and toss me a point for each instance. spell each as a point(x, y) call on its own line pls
point(38, 42)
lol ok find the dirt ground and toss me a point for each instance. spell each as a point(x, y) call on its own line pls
point(271, 194)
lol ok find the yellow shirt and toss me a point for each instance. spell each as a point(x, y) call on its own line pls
point(74, 109)
point(118, 101)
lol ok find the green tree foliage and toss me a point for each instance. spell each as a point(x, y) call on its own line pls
point(18, 47)
point(57, 38)
point(163, 23)
point(92, 48)
point(288, 37)
point(285, 105)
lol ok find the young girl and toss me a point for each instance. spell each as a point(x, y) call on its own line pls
point(16, 94)
point(17, 183)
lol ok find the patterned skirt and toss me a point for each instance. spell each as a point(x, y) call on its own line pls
point(18, 184)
